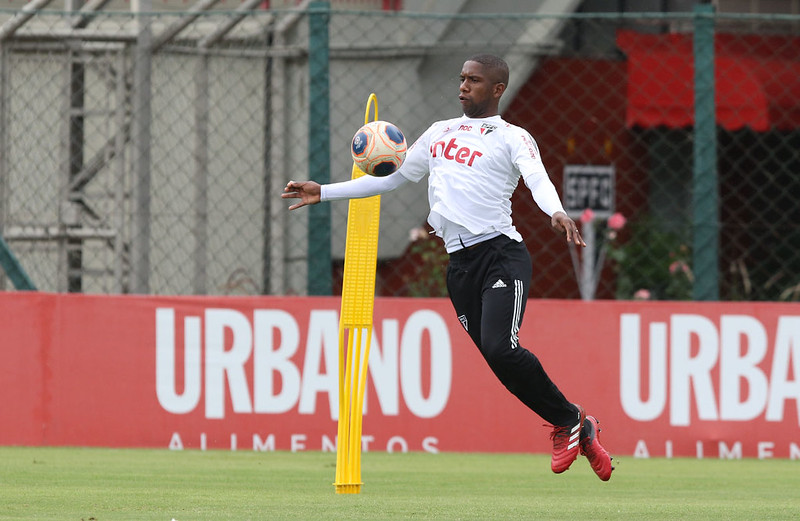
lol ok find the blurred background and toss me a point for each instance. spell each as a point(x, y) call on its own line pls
point(144, 145)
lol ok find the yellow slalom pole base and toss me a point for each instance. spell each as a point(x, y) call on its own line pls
point(348, 488)
point(355, 329)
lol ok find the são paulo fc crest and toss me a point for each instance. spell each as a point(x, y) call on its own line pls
point(487, 129)
point(463, 320)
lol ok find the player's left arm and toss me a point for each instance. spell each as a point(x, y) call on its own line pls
point(529, 163)
point(545, 195)
point(563, 223)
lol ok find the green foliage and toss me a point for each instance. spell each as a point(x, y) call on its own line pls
point(773, 278)
point(652, 263)
point(429, 278)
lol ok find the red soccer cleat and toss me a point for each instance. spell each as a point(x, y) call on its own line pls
point(566, 443)
point(594, 452)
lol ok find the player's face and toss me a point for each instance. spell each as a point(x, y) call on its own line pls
point(479, 93)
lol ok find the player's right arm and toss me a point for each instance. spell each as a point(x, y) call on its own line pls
point(310, 192)
point(307, 191)
point(414, 168)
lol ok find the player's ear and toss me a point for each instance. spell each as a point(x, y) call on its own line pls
point(499, 89)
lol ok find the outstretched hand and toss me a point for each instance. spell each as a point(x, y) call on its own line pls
point(307, 191)
point(562, 223)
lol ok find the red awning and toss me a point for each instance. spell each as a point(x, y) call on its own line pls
point(757, 80)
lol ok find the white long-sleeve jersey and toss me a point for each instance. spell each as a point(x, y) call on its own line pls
point(474, 166)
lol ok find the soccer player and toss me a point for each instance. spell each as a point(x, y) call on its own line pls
point(473, 165)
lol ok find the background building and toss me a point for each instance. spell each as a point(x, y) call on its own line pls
point(143, 145)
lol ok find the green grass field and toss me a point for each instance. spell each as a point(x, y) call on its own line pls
point(104, 484)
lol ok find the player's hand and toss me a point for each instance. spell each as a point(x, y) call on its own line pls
point(562, 223)
point(307, 191)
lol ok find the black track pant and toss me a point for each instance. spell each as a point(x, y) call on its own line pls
point(488, 285)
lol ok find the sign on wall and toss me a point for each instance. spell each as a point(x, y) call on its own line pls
point(713, 380)
point(589, 186)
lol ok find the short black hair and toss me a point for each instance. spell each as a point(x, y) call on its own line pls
point(497, 66)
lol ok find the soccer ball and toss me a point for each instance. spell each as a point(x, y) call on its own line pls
point(378, 148)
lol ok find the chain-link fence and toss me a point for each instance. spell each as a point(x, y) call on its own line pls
point(146, 153)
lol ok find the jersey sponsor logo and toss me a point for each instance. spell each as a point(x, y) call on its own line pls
point(465, 128)
point(531, 147)
point(487, 129)
point(451, 151)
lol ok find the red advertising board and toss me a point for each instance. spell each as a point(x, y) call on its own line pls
point(718, 380)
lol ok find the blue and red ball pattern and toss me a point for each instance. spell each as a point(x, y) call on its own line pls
point(378, 148)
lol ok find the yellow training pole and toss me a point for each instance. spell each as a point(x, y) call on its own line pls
point(355, 328)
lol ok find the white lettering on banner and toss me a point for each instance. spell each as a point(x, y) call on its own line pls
point(630, 381)
point(298, 443)
point(322, 341)
point(411, 363)
point(221, 362)
point(175, 442)
point(216, 356)
point(169, 399)
point(328, 445)
point(787, 348)
point(764, 450)
point(365, 441)
point(736, 367)
point(269, 359)
point(396, 443)
point(383, 368)
point(429, 444)
point(733, 453)
point(695, 347)
point(688, 371)
point(263, 445)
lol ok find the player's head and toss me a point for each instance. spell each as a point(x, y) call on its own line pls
point(494, 66)
point(483, 80)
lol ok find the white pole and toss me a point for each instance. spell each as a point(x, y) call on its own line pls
point(587, 261)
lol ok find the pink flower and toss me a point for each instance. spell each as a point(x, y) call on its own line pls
point(617, 221)
point(587, 216)
point(642, 294)
point(678, 266)
point(417, 233)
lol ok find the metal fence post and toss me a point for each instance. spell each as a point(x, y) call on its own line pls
point(140, 242)
point(705, 196)
point(319, 217)
point(3, 149)
point(200, 227)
